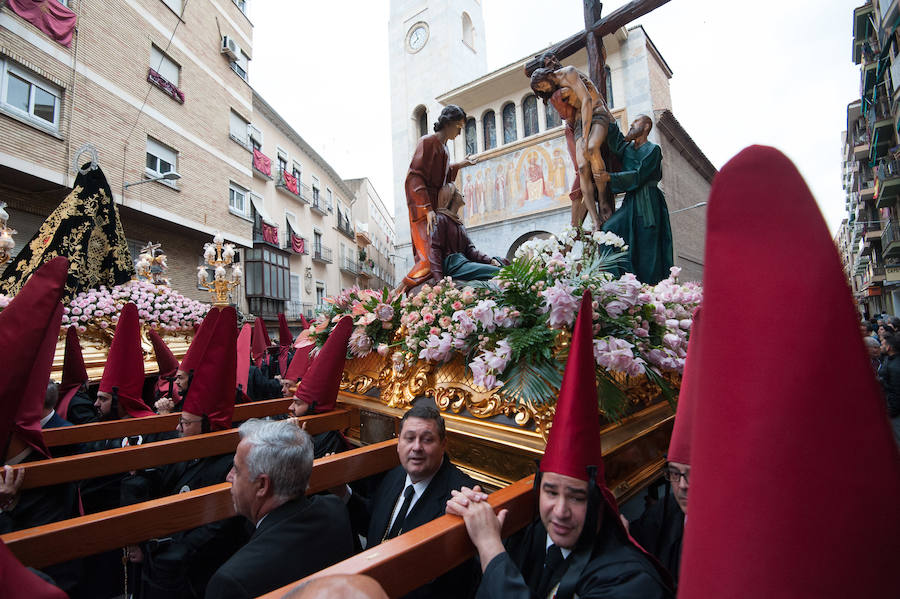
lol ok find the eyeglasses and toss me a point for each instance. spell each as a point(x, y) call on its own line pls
point(674, 476)
point(182, 423)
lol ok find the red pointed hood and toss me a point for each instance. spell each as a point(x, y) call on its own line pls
point(168, 366)
point(125, 364)
point(21, 583)
point(214, 382)
point(25, 325)
point(260, 341)
point(574, 442)
point(321, 383)
point(303, 322)
point(243, 357)
point(165, 359)
point(285, 337)
point(299, 363)
point(680, 444)
point(34, 391)
point(191, 359)
point(791, 450)
point(74, 373)
point(285, 341)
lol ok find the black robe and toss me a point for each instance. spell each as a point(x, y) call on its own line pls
point(179, 566)
point(371, 517)
point(81, 409)
point(260, 387)
point(659, 530)
point(616, 569)
point(294, 540)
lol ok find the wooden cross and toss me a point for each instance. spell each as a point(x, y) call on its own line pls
point(592, 36)
point(151, 248)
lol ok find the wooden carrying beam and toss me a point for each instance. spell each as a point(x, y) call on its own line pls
point(609, 24)
point(43, 473)
point(131, 427)
point(419, 556)
point(77, 537)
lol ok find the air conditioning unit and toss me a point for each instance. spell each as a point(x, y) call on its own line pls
point(230, 47)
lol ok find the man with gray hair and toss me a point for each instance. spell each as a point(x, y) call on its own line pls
point(269, 478)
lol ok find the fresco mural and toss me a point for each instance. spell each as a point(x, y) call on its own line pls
point(528, 180)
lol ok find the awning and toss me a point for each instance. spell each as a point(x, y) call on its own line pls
point(260, 210)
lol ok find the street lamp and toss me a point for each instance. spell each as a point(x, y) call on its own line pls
point(170, 176)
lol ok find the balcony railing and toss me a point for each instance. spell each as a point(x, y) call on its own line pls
point(890, 241)
point(349, 266)
point(319, 205)
point(346, 228)
point(322, 254)
point(296, 309)
point(291, 185)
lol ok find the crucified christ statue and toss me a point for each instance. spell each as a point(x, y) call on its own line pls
point(588, 119)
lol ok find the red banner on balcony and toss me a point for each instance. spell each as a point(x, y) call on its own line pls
point(262, 163)
point(298, 244)
point(290, 181)
point(165, 85)
point(270, 233)
point(49, 16)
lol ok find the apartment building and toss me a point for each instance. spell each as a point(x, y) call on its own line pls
point(374, 236)
point(871, 171)
point(170, 96)
point(148, 84)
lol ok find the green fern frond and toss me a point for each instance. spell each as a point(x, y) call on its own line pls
point(533, 379)
point(611, 399)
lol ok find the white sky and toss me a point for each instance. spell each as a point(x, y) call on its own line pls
point(774, 72)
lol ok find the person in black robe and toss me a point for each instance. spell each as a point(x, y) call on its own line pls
point(660, 530)
point(577, 547)
point(294, 535)
point(260, 387)
point(81, 408)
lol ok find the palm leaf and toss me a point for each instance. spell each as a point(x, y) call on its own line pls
point(533, 379)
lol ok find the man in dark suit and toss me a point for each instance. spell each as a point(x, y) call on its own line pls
point(269, 479)
point(415, 492)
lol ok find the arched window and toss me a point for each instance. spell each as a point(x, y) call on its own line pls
point(609, 94)
point(529, 107)
point(509, 123)
point(489, 125)
point(468, 30)
point(422, 120)
point(553, 118)
point(471, 142)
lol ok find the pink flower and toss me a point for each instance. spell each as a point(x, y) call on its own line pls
point(384, 312)
point(428, 318)
point(457, 305)
point(561, 304)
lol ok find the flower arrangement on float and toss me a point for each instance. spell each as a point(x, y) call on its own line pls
point(514, 332)
point(158, 307)
point(376, 316)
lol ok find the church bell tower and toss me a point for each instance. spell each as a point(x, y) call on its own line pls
point(435, 46)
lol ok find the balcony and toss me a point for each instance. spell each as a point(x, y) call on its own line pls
point(873, 276)
point(296, 309)
point(322, 254)
point(866, 190)
point(262, 165)
point(887, 182)
point(290, 185)
point(366, 270)
point(862, 29)
point(346, 228)
point(265, 233)
point(890, 240)
point(349, 266)
point(362, 235)
point(265, 308)
point(319, 206)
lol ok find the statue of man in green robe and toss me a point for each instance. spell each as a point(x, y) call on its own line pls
point(643, 219)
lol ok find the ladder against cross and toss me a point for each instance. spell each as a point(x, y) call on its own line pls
point(591, 38)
